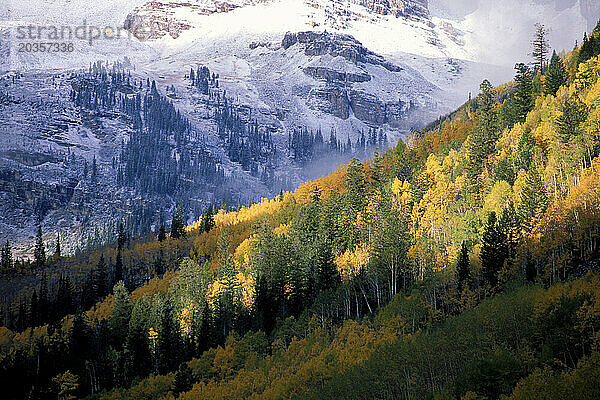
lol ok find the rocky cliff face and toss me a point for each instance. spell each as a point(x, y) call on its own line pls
point(345, 46)
point(156, 19)
point(398, 8)
point(343, 64)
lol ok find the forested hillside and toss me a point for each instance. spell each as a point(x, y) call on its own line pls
point(462, 264)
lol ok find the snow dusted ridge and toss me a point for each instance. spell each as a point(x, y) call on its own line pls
point(346, 67)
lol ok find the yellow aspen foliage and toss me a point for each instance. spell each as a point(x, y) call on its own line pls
point(574, 216)
point(519, 185)
point(452, 252)
point(247, 284)
point(282, 230)
point(224, 361)
point(241, 256)
point(152, 336)
point(402, 192)
point(433, 167)
point(592, 98)
point(252, 213)
point(498, 198)
point(451, 162)
point(243, 292)
point(328, 184)
point(351, 262)
point(587, 74)
point(186, 318)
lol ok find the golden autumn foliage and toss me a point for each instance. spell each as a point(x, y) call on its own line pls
point(243, 287)
point(328, 184)
point(351, 262)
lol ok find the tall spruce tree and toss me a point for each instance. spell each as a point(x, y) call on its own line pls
point(118, 267)
point(483, 136)
point(94, 170)
point(556, 75)
point(6, 260)
point(122, 238)
point(355, 183)
point(523, 99)
point(540, 47)
point(494, 250)
point(39, 253)
point(568, 124)
point(177, 224)
point(533, 200)
point(120, 315)
point(162, 234)
point(590, 47)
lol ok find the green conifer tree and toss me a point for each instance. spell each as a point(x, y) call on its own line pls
point(568, 124)
point(118, 267)
point(162, 234)
point(523, 95)
point(494, 250)
point(540, 47)
point(39, 253)
point(119, 320)
point(177, 224)
point(556, 75)
point(533, 200)
point(6, 260)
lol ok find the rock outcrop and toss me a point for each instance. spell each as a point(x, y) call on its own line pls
point(324, 43)
point(398, 8)
point(340, 62)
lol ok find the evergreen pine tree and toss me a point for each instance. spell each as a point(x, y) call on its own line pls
point(590, 47)
point(523, 100)
point(94, 170)
point(326, 270)
point(119, 267)
point(118, 322)
point(568, 124)
point(177, 224)
point(64, 297)
point(533, 199)
point(39, 253)
point(540, 47)
point(6, 261)
point(79, 338)
point(162, 234)
point(483, 136)
point(122, 238)
point(494, 250)
point(355, 183)
point(556, 75)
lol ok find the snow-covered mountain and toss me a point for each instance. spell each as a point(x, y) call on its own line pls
point(287, 73)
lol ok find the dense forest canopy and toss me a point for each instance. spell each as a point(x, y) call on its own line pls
point(462, 264)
